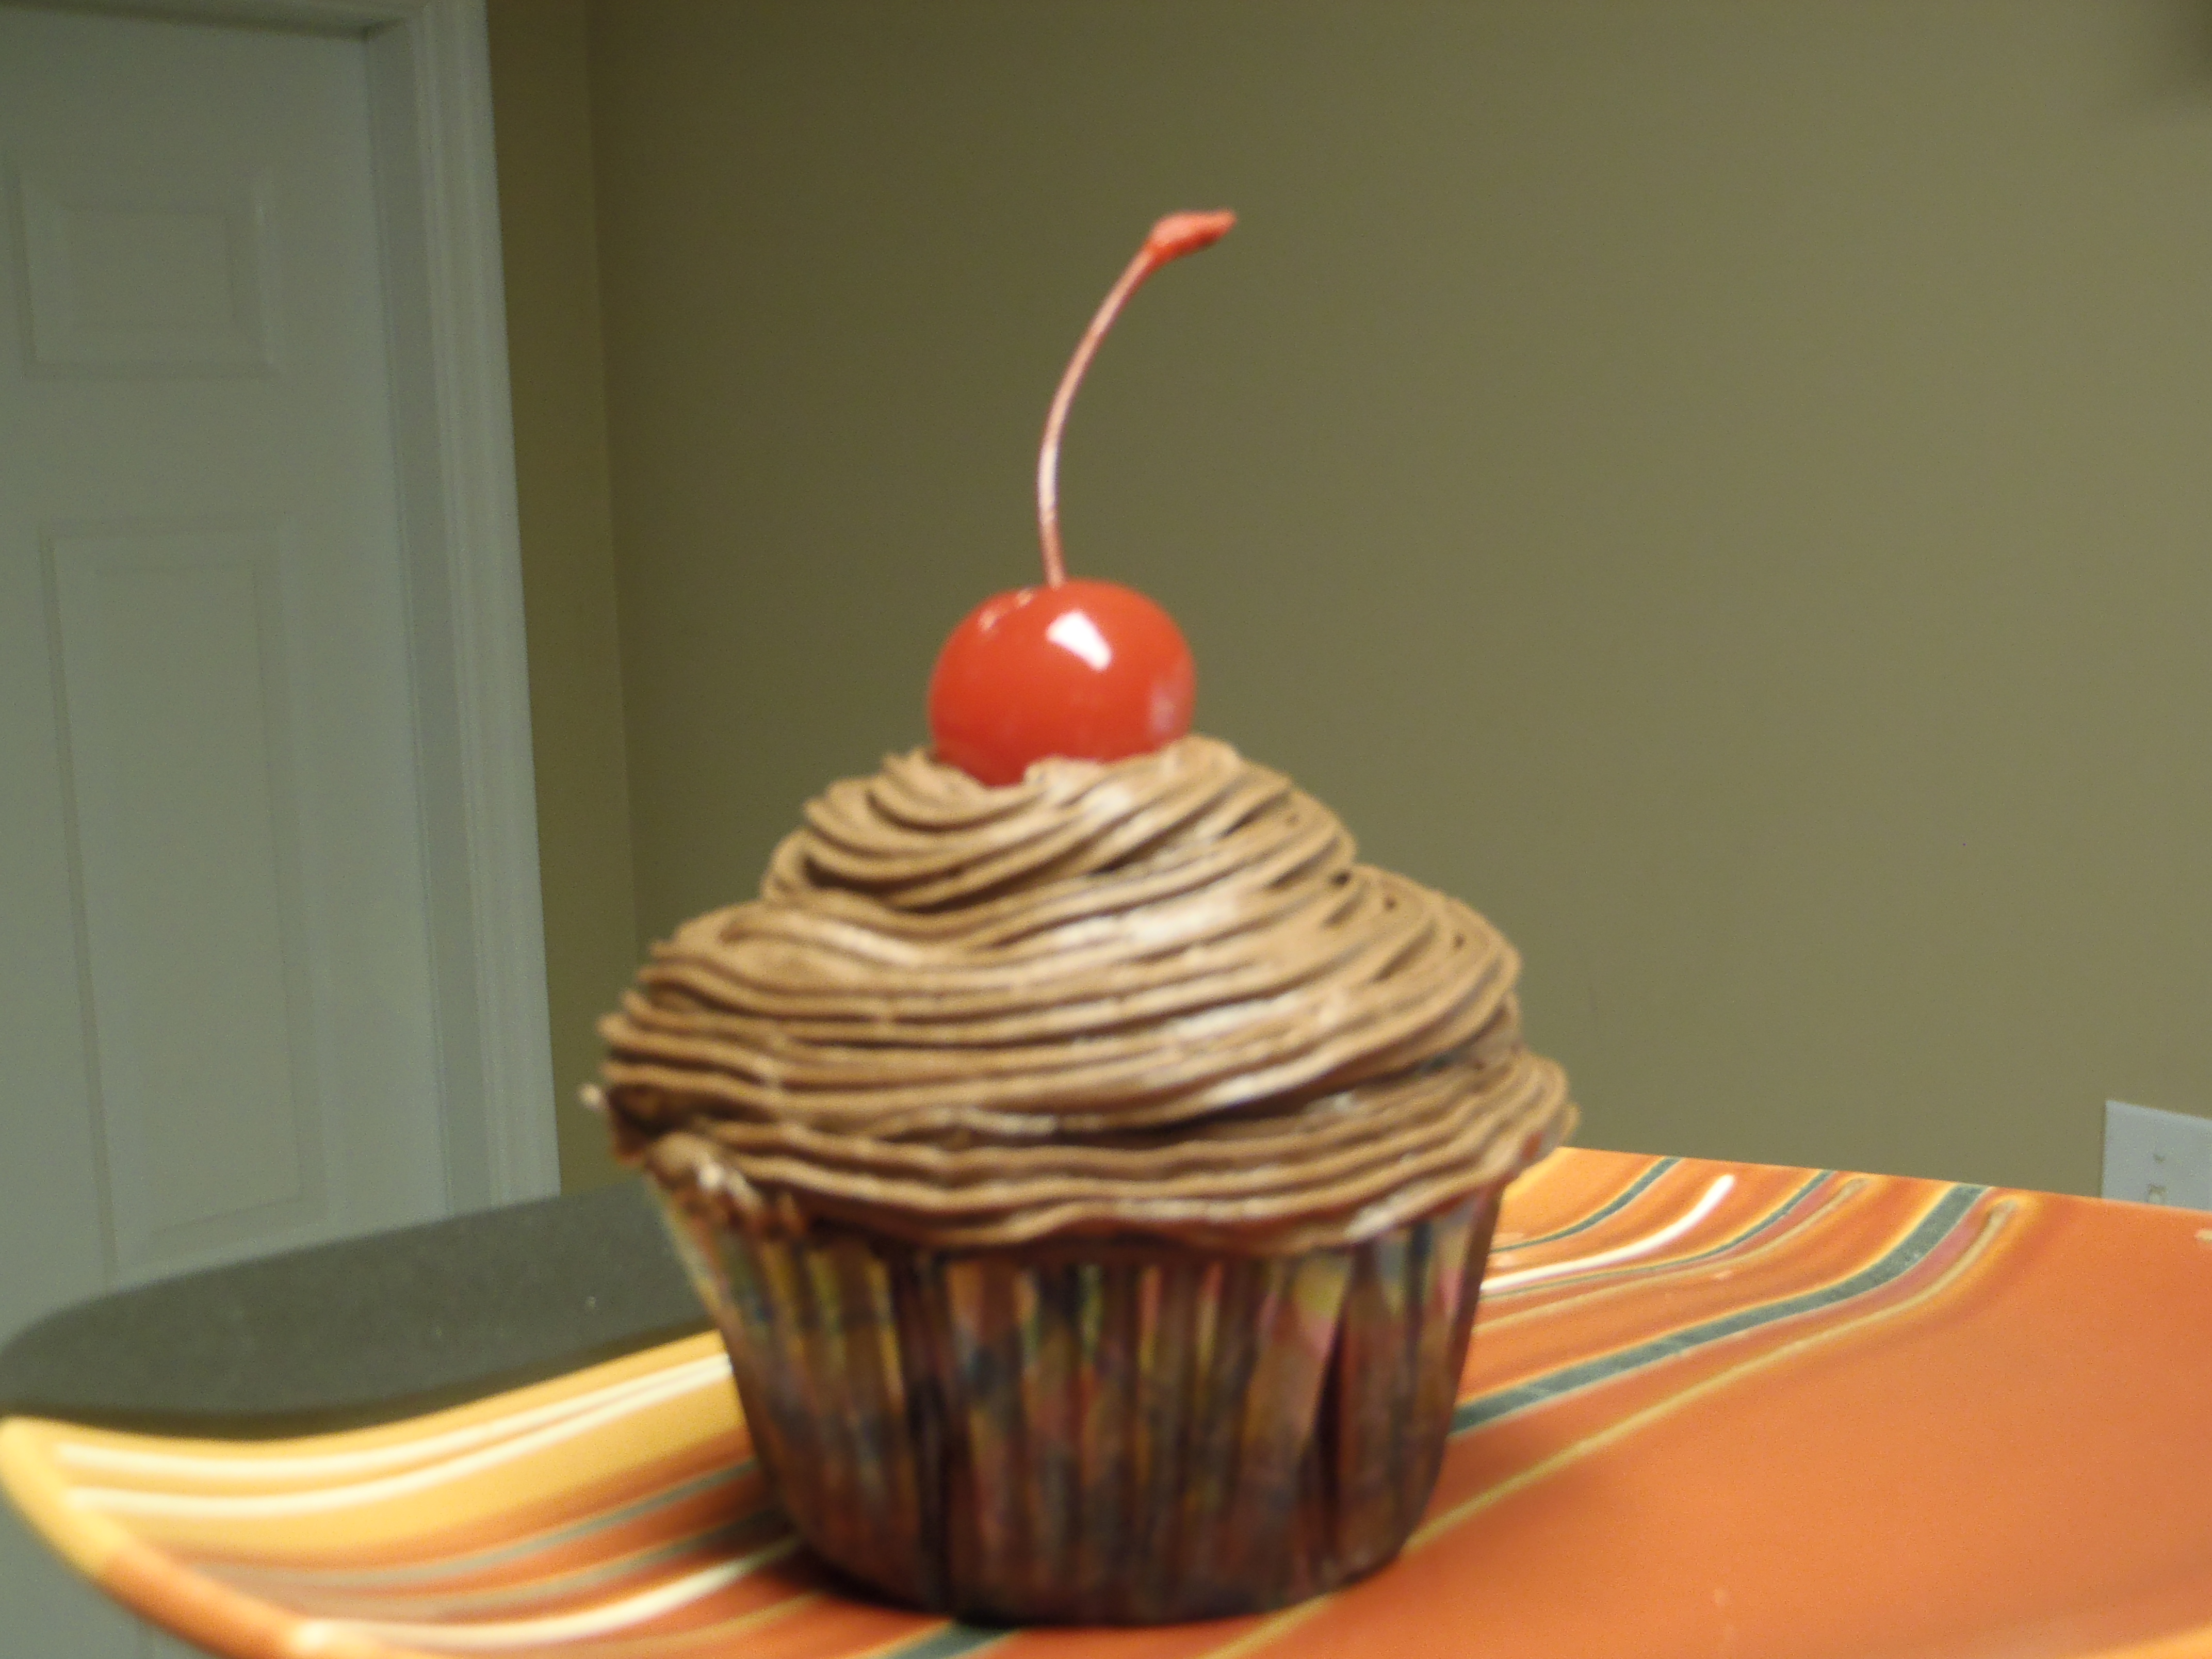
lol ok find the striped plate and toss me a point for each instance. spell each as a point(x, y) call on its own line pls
point(1711, 1409)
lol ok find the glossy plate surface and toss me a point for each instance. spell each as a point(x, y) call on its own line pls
point(1711, 1409)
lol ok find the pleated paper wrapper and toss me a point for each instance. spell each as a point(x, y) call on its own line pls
point(1103, 1433)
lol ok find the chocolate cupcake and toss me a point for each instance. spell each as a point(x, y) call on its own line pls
point(1092, 1176)
point(1090, 1166)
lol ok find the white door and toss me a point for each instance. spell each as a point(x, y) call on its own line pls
point(215, 985)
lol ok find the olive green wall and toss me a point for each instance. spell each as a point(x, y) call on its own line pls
point(1724, 488)
point(540, 83)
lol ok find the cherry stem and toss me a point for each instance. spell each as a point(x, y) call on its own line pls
point(1173, 237)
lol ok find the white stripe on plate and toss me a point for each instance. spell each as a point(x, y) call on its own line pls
point(243, 1470)
point(1628, 1252)
point(120, 1500)
point(314, 1636)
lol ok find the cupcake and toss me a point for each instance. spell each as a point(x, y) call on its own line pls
point(1092, 1179)
point(1089, 1164)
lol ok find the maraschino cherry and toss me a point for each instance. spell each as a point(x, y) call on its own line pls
point(1089, 670)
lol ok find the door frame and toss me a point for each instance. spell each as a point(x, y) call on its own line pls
point(437, 203)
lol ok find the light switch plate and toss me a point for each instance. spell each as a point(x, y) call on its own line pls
point(2157, 1157)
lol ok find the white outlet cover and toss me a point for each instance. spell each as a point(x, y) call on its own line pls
point(2157, 1157)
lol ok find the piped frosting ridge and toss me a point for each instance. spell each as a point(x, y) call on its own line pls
point(1154, 997)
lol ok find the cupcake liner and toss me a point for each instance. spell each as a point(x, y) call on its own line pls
point(1103, 1433)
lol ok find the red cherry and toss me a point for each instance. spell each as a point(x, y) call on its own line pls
point(1085, 669)
point(1089, 670)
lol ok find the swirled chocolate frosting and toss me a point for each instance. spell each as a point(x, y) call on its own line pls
point(1156, 996)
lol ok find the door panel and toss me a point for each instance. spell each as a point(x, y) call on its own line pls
point(177, 765)
point(147, 268)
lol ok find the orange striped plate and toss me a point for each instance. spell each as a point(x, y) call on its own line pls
point(1711, 1409)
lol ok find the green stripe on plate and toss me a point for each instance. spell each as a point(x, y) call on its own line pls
point(1628, 1195)
point(1907, 1253)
